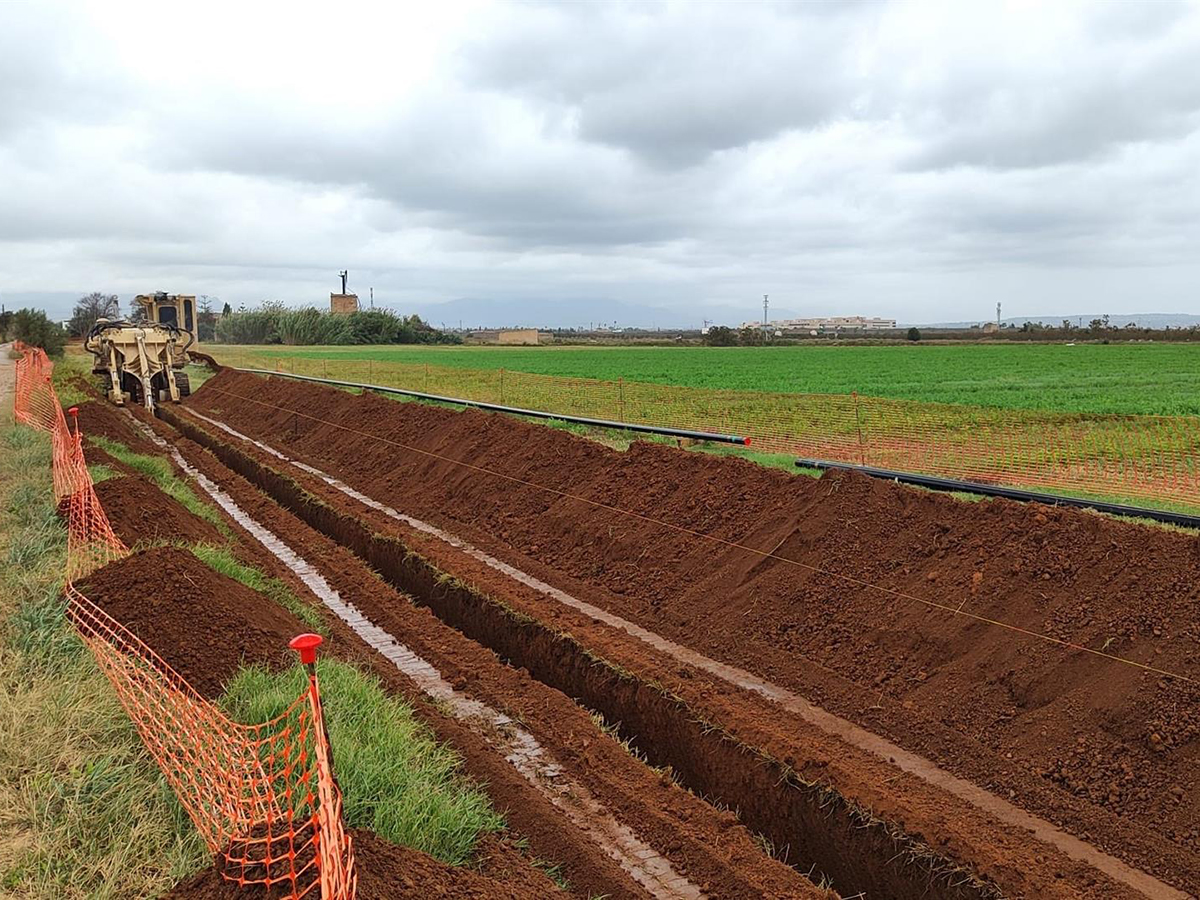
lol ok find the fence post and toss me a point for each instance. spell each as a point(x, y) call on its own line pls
point(426, 378)
point(621, 394)
point(862, 457)
point(328, 859)
point(501, 386)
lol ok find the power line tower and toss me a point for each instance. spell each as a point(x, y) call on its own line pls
point(766, 325)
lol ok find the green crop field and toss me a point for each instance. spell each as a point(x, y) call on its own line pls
point(1093, 378)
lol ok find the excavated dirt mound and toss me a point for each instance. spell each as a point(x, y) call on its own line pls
point(865, 580)
point(97, 456)
point(385, 872)
point(102, 418)
point(202, 623)
point(139, 512)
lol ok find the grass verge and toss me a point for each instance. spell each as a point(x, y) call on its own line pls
point(83, 810)
point(395, 778)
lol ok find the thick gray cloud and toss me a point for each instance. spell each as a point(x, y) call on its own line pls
point(921, 160)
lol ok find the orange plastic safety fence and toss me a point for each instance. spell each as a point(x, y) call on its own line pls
point(1153, 460)
point(263, 797)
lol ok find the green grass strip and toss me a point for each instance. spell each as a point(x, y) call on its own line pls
point(222, 560)
point(395, 778)
point(159, 470)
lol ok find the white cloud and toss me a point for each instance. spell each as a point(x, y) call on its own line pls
point(917, 159)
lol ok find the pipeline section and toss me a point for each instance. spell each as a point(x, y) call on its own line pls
point(1010, 493)
point(516, 410)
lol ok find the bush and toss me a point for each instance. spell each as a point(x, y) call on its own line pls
point(33, 328)
point(914, 334)
point(721, 336)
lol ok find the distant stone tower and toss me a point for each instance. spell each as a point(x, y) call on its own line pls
point(344, 303)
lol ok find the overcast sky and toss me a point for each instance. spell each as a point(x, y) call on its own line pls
point(915, 160)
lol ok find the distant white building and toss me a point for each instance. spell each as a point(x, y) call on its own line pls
point(828, 323)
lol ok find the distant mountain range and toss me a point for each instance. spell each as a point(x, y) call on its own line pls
point(1141, 320)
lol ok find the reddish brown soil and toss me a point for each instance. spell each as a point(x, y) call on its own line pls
point(100, 417)
point(1100, 732)
point(1022, 868)
point(707, 845)
point(139, 512)
point(96, 456)
point(385, 871)
point(203, 624)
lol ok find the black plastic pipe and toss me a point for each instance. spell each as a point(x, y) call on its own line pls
point(992, 490)
point(516, 410)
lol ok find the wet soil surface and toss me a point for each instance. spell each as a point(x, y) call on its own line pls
point(203, 624)
point(1071, 732)
point(139, 512)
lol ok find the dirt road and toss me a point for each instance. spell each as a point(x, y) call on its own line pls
point(7, 373)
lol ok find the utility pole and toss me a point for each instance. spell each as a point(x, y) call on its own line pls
point(765, 325)
point(372, 290)
point(997, 314)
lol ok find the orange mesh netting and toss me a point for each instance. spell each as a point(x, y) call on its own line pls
point(1146, 459)
point(263, 797)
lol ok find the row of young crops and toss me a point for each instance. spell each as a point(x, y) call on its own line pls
point(1127, 378)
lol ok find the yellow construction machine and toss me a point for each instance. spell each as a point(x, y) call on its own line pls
point(142, 361)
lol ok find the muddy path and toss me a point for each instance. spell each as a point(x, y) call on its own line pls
point(566, 785)
point(988, 848)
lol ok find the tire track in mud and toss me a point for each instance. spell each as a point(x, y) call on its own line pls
point(836, 726)
point(516, 744)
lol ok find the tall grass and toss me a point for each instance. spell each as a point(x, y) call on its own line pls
point(396, 779)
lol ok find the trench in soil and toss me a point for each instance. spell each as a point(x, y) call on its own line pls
point(817, 829)
point(515, 743)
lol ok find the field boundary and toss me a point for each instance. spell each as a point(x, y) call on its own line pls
point(1137, 459)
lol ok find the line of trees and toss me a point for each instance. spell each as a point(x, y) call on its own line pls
point(274, 323)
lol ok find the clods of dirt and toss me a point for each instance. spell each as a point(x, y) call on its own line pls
point(865, 579)
point(202, 623)
point(139, 512)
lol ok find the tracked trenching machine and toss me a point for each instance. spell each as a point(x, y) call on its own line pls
point(142, 361)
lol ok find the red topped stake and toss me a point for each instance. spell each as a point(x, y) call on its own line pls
point(306, 645)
